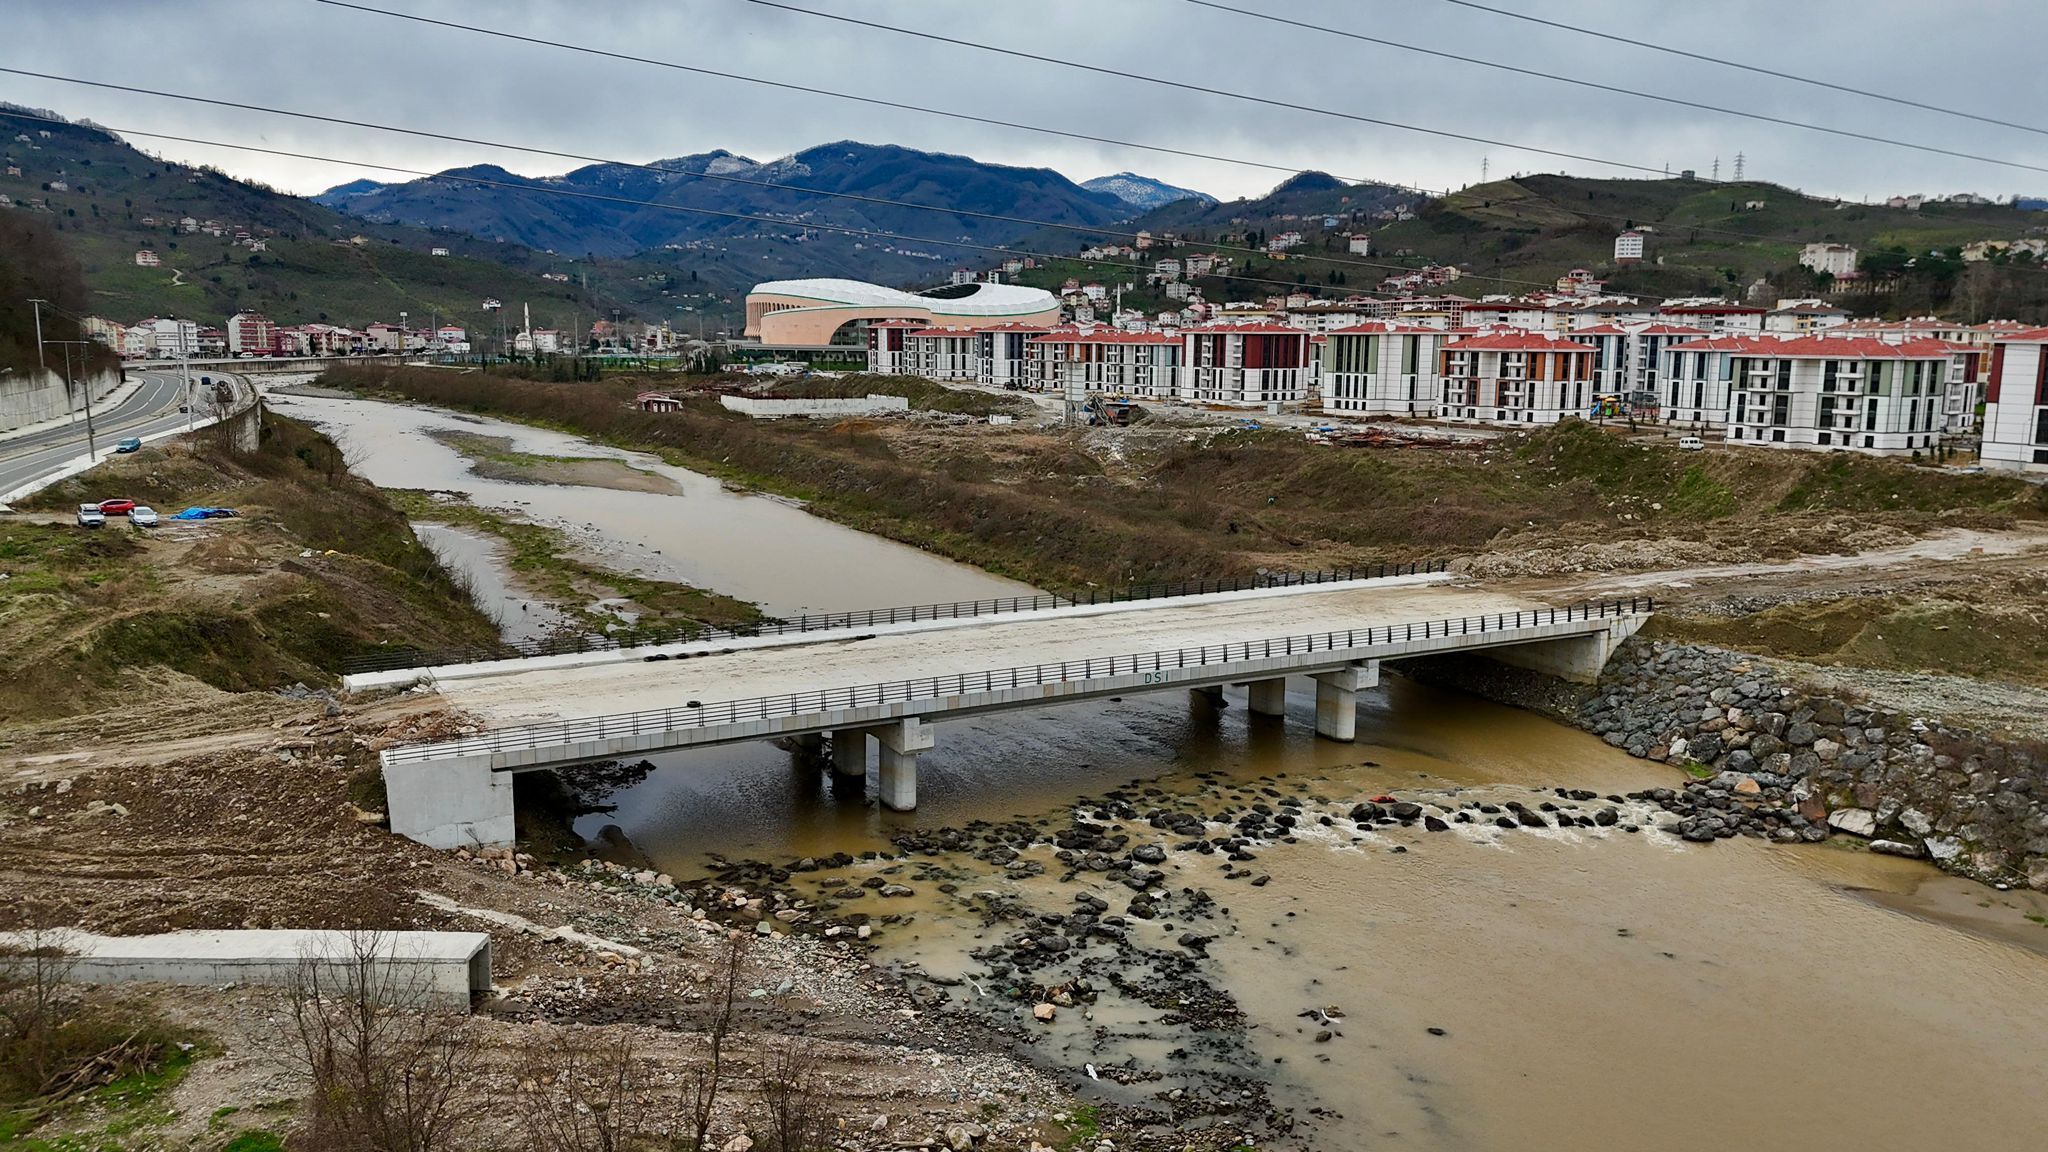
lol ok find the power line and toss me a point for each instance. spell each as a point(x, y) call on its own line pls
point(1615, 89)
point(553, 190)
point(1268, 101)
point(655, 168)
point(970, 118)
point(1758, 70)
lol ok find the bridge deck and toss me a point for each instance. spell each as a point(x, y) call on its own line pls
point(811, 662)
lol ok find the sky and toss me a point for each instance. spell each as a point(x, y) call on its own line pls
point(1972, 55)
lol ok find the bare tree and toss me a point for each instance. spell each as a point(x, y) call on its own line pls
point(32, 967)
point(581, 1092)
point(701, 1088)
point(391, 1067)
point(792, 1100)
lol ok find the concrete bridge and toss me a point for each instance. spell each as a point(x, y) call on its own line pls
point(267, 365)
point(893, 684)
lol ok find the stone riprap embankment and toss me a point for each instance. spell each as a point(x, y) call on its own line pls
point(1770, 758)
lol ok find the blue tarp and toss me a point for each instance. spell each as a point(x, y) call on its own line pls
point(203, 513)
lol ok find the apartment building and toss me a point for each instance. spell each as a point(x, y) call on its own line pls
point(1830, 259)
point(1714, 315)
point(1002, 353)
point(1515, 377)
point(942, 353)
point(1629, 357)
point(1382, 368)
point(251, 334)
point(2016, 403)
point(1628, 248)
point(1245, 363)
point(1817, 391)
point(886, 341)
point(1079, 360)
point(1798, 317)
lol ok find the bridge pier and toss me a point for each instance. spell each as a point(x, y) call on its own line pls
point(850, 753)
point(901, 742)
point(1268, 697)
point(1337, 699)
point(1211, 693)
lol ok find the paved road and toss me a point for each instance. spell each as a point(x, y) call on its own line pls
point(801, 663)
point(153, 408)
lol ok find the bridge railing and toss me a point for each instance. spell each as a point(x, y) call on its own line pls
point(1164, 662)
point(385, 661)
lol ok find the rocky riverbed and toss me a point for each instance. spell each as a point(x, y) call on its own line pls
point(1775, 758)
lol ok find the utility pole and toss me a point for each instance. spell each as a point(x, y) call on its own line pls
point(91, 448)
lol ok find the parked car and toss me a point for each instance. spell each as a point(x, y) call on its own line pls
point(143, 517)
point(131, 444)
point(90, 516)
point(1691, 444)
point(117, 507)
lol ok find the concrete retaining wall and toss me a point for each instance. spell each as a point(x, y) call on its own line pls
point(439, 968)
point(771, 408)
point(39, 396)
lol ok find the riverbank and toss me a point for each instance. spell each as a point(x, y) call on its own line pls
point(191, 625)
point(1775, 750)
point(1165, 501)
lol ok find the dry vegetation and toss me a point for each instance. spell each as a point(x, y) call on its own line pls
point(1163, 502)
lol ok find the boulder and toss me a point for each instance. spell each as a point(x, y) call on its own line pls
point(1916, 821)
point(1896, 848)
point(963, 1137)
point(1044, 1012)
point(1854, 821)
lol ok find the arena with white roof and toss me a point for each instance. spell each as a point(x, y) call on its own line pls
point(808, 312)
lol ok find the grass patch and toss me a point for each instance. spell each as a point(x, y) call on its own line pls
point(259, 1140)
point(319, 568)
point(540, 556)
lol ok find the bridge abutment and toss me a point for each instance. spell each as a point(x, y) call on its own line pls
point(1577, 659)
point(454, 803)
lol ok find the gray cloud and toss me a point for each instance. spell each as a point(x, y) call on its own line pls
point(298, 54)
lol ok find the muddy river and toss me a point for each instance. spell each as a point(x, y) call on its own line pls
point(1471, 988)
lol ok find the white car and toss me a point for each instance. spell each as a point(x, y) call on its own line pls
point(142, 517)
point(90, 516)
point(1691, 444)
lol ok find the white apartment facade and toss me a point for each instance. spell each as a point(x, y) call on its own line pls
point(1003, 353)
point(1382, 368)
point(1078, 361)
point(1829, 392)
point(1245, 364)
point(1829, 259)
point(1511, 377)
point(2016, 403)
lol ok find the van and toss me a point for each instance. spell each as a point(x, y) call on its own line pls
point(1690, 444)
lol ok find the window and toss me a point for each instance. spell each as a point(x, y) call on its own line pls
point(1827, 376)
point(2041, 426)
point(1778, 435)
point(1784, 375)
point(1826, 438)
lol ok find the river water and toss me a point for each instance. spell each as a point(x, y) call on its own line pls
point(1593, 989)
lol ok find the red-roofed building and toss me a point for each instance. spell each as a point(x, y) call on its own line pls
point(1382, 367)
point(1506, 376)
point(1245, 363)
point(941, 353)
point(2016, 403)
point(1003, 353)
point(886, 345)
point(1716, 316)
point(1854, 392)
point(1630, 355)
point(1078, 360)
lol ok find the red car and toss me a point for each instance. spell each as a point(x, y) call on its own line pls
point(117, 507)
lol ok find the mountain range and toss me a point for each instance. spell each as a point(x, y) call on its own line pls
point(712, 198)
